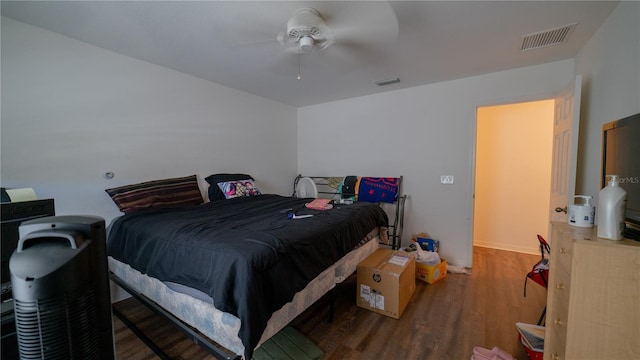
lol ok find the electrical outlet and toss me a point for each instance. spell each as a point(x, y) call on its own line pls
point(446, 179)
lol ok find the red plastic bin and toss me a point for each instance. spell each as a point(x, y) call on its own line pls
point(533, 354)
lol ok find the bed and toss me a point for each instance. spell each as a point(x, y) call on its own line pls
point(241, 269)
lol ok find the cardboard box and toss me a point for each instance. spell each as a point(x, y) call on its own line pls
point(386, 282)
point(431, 273)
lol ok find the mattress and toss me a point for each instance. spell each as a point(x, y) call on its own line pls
point(221, 327)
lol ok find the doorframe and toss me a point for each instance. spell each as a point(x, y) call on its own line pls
point(472, 156)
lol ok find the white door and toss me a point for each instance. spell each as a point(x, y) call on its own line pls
point(565, 149)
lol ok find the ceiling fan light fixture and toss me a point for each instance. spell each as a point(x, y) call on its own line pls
point(306, 43)
point(307, 31)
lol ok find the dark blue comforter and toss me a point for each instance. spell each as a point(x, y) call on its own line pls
point(243, 252)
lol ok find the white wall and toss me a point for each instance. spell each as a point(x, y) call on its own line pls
point(513, 175)
point(610, 65)
point(421, 133)
point(71, 111)
point(427, 131)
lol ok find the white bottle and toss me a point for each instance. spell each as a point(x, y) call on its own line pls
point(612, 202)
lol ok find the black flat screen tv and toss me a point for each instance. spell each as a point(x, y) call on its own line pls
point(621, 156)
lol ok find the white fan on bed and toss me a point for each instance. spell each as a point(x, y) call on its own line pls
point(306, 188)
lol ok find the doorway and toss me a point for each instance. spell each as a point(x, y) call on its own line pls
point(513, 175)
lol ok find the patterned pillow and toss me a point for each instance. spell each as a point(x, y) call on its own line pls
point(213, 180)
point(171, 192)
point(238, 188)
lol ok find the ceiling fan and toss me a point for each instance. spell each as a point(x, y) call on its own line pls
point(343, 31)
point(306, 31)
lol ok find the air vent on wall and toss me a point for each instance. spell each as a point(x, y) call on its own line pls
point(545, 38)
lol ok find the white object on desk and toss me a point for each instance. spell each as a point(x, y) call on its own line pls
point(23, 194)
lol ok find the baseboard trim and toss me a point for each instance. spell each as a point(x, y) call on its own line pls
point(534, 250)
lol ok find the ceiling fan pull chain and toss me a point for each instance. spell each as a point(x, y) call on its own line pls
point(299, 74)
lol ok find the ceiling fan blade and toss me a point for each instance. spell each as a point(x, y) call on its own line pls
point(352, 54)
point(362, 22)
point(246, 23)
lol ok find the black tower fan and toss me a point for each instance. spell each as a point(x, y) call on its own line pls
point(61, 289)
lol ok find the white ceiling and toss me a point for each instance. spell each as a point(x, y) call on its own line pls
point(234, 43)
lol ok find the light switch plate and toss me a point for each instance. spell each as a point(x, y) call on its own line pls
point(446, 179)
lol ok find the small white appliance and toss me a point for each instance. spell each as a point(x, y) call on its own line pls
point(581, 215)
point(306, 188)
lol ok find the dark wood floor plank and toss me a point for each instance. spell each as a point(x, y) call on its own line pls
point(444, 320)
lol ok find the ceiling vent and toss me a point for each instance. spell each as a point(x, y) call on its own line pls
point(546, 38)
point(387, 82)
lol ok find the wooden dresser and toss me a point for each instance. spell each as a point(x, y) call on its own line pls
point(593, 300)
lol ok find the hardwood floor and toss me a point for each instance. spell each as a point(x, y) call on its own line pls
point(444, 320)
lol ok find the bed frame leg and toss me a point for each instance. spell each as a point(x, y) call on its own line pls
point(332, 304)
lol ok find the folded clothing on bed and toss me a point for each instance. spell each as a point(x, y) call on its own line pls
point(242, 252)
point(320, 204)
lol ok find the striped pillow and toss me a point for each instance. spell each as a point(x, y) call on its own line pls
point(172, 192)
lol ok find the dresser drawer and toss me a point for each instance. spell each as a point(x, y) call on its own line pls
point(554, 349)
point(557, 319)
point(561, 286)
point(562, 252)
